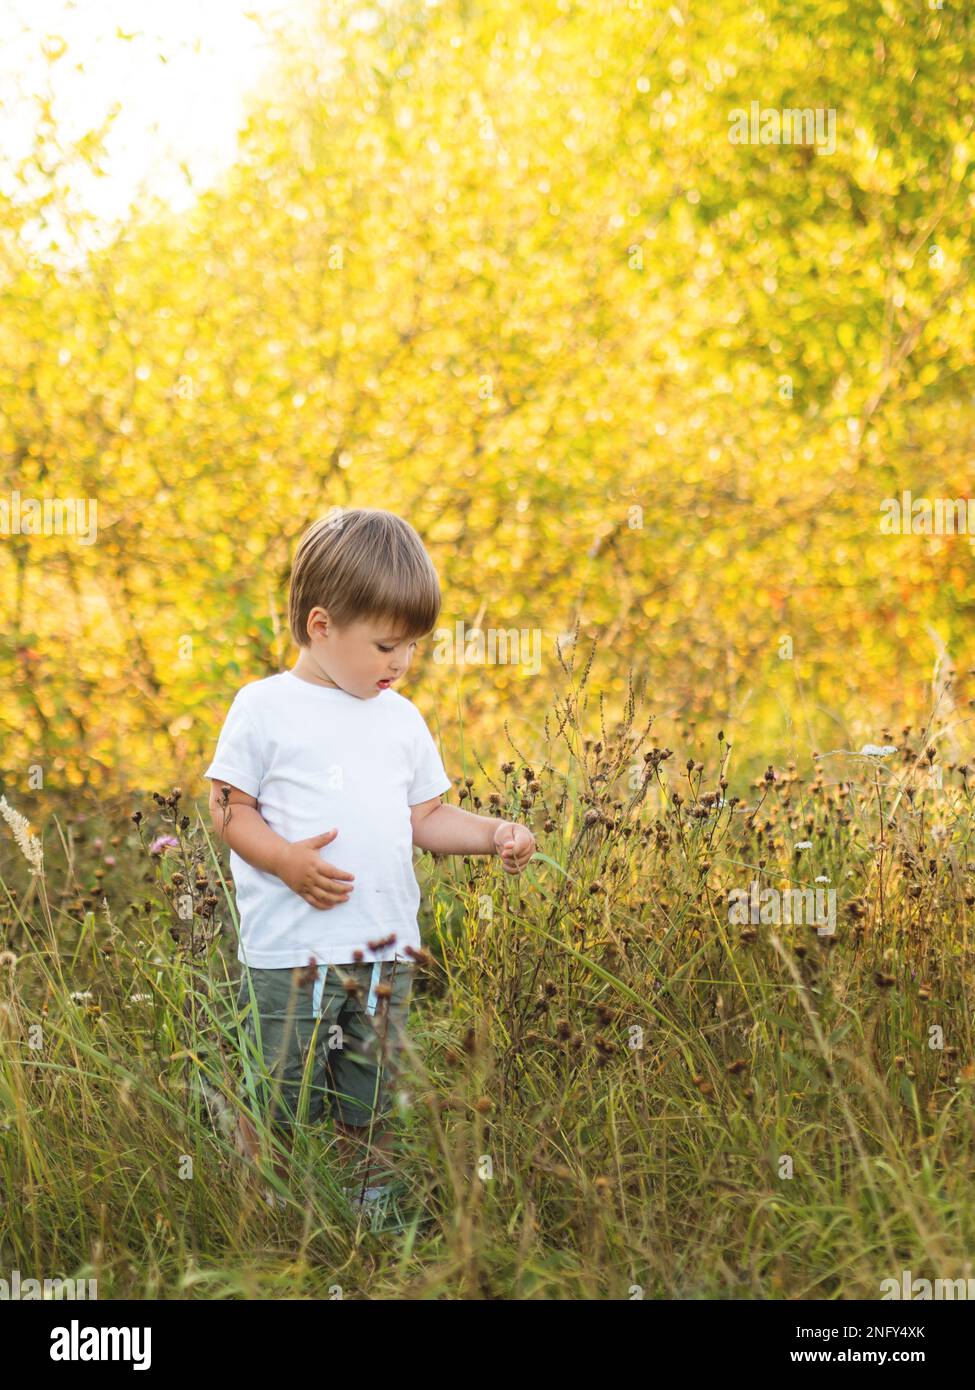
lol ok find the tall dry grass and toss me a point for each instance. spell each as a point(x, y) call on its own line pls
point(612, 1091)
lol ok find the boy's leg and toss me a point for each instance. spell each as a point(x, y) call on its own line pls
point(375, 1152)
point(373, 1021)
point(284, 1010)
point(248, 1144)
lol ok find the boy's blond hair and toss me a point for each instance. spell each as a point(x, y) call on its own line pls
point(363, 563)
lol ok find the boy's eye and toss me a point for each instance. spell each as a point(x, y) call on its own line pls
point(390, 649)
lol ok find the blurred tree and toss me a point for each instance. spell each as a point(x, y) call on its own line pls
point(500, 268)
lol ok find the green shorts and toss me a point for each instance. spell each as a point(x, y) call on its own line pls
point(345, 1045)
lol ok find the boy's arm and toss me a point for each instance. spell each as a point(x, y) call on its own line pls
point(450, 830)
point(298, 864)
point(241, 826)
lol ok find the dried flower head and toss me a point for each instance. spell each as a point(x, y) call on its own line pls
point(29, 845)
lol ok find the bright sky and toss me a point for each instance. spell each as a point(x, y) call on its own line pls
point(179, 70)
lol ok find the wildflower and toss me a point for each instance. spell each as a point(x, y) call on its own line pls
point(803, 844)
point(419, 955)
point(870, 750)
point(160, 844)
point(306, 975)
point(29, 845)
point(382, 943)
point(110, 860)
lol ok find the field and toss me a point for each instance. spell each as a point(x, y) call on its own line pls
point(614, 1090)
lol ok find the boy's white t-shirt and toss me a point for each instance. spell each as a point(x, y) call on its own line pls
point(318, 758)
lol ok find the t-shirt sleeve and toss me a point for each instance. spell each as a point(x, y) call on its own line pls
point(239, 758)
point(429, 775)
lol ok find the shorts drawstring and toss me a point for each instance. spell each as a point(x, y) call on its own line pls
point(316, 994)
point(372, 1000)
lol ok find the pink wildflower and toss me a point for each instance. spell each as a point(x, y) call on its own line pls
point(159, 845)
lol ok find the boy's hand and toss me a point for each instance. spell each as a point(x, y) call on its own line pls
point(516, 844)
point(313, 878)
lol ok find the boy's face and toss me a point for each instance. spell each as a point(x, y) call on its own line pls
point(357, 658)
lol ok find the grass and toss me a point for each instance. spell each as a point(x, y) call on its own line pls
point(612, 1089)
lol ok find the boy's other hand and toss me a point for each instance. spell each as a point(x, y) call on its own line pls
point(515, 844)
point(310, 876)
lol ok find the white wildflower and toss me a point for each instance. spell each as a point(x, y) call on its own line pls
point(871, 750)
point(803, 844)
point(29, 845)
point(221, 1112)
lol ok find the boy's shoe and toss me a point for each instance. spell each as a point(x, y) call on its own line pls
point(383, 1207)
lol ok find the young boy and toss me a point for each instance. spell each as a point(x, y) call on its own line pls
point(329, 754)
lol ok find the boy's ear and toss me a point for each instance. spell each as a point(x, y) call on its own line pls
point(319, 622)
